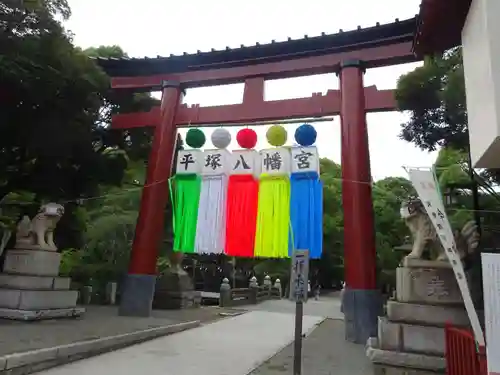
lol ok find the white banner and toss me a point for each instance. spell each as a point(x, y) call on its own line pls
point(305, 159)
point(491, 290)
point(427, 189)
point(215, 162)
point(188, 162)
point(276, 161)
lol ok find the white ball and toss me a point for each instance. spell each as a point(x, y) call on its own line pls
point(221, 138)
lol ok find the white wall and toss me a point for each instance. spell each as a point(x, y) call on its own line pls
point(481, 50)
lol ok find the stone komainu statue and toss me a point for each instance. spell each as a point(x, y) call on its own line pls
point(425, 237)
point(38, 233)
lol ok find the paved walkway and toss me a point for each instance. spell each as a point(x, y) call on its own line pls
point(328, 307)
point(324, 352)
point(233, 346)
point(259, 342)
point(98, 322)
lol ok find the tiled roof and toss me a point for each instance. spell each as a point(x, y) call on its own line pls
point(378, 35)
point(439, 25)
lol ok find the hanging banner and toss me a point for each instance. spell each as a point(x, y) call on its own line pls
point(491, 291)
point(211, 224)
point(306, 202)
point(427, 189)
point(273, 213)
point(242, 201)
point(185, 189)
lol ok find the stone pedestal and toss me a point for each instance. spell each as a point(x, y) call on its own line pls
point(411, 338)
point(30, 288)
point(174, 289)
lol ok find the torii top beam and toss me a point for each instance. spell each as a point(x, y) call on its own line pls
point(381, 45)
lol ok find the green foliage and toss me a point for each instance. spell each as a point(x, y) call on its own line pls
point(434, 96)
point(49, 137)
point(451, 166)
point(390, 229)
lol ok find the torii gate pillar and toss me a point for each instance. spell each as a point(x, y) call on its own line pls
point(361, 302)
point(140, 282)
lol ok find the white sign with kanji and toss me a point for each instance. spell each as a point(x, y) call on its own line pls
point(245, 162)
point(299, 276)
point(275, 161)
point(427, 189)
point(491, 290)
point(215, 162)
point(188, 162)
point(305, 159)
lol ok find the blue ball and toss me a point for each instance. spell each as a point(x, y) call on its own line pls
point(305, 135)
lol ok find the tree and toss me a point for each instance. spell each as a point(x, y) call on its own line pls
point(434, 96)
point(331, 265)
point(30, 17)
point(390, 230)
point(136, 141)
point(51, 101)
point(110, 226)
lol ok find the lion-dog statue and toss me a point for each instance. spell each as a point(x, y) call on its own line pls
point(38, 233)
point(425, 237)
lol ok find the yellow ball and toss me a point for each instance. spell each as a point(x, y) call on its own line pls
point(276, 135)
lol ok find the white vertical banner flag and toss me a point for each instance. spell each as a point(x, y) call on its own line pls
point(491, 288)
point(428, 191)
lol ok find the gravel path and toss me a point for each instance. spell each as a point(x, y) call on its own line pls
point(98, 321)
point(325, 352)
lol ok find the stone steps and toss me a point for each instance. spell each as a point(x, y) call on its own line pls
point(31, 289)
point(10, 281)
point(389, 362)
point(411, 337)
point(37, 299)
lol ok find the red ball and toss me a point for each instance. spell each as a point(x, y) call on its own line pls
point(246, 138)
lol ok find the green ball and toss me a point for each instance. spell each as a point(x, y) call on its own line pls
point(195, 138)
point(276, 135)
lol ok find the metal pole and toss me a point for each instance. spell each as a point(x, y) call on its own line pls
point(234, 272)
point(309, 120)
point(297, 348)
point(194, 271)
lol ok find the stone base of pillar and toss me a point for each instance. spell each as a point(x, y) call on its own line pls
point(361, 310)
point(175, 290)
point(137, 295)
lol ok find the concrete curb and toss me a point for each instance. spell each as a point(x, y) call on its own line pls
point(41, 359)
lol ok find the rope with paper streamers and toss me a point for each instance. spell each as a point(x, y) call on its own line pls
point(139, 188)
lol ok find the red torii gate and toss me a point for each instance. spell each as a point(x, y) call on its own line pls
point(346, 53)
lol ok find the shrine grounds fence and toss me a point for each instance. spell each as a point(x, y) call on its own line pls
point(248, 296)
point(463, 356)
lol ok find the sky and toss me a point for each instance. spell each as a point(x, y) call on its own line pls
point(162, 27)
